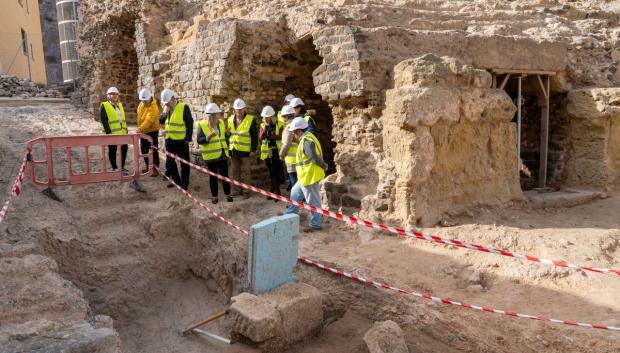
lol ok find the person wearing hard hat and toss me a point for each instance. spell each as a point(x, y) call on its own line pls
point(287, 101)
point(288, 148)
point(243, 140)
point(300, 111)
point(311, 170)
point(178, 128)
point(271, 140)
point(148, 124)
point(211, 138)
point(112, 117)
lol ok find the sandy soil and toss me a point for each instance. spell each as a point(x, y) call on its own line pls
point(137, 259)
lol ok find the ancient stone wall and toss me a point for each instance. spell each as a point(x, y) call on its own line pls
point(595, 137)
point(351, 61)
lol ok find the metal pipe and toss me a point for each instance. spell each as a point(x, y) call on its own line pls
point(214, 336)
point(519, 103)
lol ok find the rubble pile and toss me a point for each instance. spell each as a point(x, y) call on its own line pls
point(11, 86)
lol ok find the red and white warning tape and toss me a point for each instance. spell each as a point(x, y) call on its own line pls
point(201, 204)
point(399, 231)
point(16, 189)
point(374, 283)
point(449, 301)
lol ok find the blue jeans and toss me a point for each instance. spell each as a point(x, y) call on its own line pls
point(312, 195)
point(292, 179)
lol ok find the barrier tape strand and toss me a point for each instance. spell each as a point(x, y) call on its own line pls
point(395, 230)
point(16, 189)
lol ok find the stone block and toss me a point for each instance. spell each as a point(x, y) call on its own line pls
point(386, 337)
point(254, 318)
point(300, 307)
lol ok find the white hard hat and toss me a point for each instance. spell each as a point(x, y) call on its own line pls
point(267, 111)
point(238, 104)
point(296, 102)
point(287, 110)
point(212, 108)
point(113, 90)
point(166, 95)
point(289, 97)
point(145, 94)
point(298, 123)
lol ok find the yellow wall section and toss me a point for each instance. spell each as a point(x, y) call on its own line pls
point(16, 15)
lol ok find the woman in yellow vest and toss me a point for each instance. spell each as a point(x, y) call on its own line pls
point(211, 138)
point(271, 140)
point(113, 122)
point(148, 124)
point(288, 150)
point(310, 171)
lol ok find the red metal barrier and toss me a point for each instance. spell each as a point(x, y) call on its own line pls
point(88, 142)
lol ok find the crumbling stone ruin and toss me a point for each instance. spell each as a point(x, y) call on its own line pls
point(412, 107)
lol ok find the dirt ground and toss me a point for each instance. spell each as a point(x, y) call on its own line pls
point(155, 262)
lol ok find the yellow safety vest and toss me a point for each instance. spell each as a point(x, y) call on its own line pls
point(307, 118)
point(213, 149)
point(175, 126)
point(240, 139)
point(264, 147)
point(291, 154)
point(308, 172)
point(117, 124)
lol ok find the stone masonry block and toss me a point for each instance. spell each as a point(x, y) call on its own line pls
point(254, 318)
point(300, 307)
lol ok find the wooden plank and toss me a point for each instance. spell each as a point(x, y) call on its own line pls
point(544, 138)
point(545, 91)
point(526, 72)
point(505, 81)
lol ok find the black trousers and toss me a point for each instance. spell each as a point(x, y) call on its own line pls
point(181, 149)
point(220, 167)
point(145, 145)
point(276, 172)
point(112, 155)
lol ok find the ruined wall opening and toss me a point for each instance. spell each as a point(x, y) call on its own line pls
point(531, 131)
point(117, 65)
point(303, 60)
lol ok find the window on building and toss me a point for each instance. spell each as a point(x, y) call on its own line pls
point(31, 52)
point(25, 42)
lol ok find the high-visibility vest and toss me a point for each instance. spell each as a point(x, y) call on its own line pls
point(291, 153)
point(307, 118)
point(175, 128)
point(213, 149)
point(264, 147)
point(240, 138)
point(117, 124)
point(308, 172)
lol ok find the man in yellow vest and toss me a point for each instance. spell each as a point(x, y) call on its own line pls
point(271, 140)
point(179, 126)
point(243, 141)
point(148, 124)
point(211, 138)
point(310, 168)
point(288, 150)
point(113, 122)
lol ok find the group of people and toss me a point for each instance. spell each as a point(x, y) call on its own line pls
point(286, 138)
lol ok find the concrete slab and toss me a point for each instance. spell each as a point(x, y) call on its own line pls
point(273, 253)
